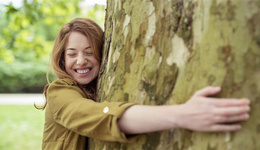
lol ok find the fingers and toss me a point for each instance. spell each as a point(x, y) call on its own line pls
point(234, 118)
point(234, 110)
point(225, 127)
point(229, 113)
point(216, 112)
point(226, 102)
point(207, 91)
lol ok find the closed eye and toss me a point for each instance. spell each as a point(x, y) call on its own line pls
point(71, 55)
point(89, 53)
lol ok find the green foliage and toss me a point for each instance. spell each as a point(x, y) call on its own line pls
point(23, 77)
point(27, 35)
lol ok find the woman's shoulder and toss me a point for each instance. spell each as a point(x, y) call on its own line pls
point(63, 84)
point(64, 87)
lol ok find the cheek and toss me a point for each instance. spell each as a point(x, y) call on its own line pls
point(68, 64)
point(98, 65)
point(95, 62)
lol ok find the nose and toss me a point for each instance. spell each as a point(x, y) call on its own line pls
point(81, 60)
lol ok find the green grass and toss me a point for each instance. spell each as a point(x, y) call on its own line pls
point(21, 127)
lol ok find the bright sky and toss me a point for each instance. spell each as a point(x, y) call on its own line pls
point(18, 3)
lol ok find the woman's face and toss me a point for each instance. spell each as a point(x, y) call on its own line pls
point(80, 62)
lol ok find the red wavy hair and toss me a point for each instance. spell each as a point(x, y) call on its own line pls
point(95, 35)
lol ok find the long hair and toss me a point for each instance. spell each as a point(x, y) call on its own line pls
point(94, 33)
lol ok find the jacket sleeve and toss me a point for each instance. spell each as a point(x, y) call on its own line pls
point(84, 116)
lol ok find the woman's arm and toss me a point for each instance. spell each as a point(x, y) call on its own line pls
point(200, 113)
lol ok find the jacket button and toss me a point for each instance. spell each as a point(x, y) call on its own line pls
point(105, 110)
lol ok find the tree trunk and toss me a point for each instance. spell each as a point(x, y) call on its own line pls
point(160, 52)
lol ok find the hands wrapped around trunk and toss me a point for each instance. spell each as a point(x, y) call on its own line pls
point(203, 113)
point(200, 113)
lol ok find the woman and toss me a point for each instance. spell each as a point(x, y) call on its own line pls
point(72, 114)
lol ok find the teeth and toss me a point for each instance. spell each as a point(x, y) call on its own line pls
point(82, 71)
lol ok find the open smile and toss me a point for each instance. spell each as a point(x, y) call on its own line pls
point(84, 71)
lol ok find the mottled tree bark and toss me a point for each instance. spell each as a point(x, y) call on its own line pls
point(160, 52)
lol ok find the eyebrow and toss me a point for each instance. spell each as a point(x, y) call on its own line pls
point(75, 49)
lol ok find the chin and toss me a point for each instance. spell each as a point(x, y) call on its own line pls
point(85, 82)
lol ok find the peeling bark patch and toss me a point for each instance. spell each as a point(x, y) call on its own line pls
point(229, 85)
point(116, 55)
point(252, 59)
point(150, 89)
point(230, 15)
point(227, 137)
point(253, 88)
point(126, 97)
point(111, 82)
point(151, 29)
point(184, 24)
point(150, 70)
point(258, 128)
point(211, 148)
point(175, 146)
point(152, 141)
point(125, 25)
point(179, 52)
point(166, 81)
point(120, 81)
point(211, 79)
point(177, 9)
point(105, 56)
point(223, 11)
point(226, 54)
point(128, 62)
point(254, 27)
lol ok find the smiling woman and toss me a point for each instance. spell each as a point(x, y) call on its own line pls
point(80, 62)
point(28, 30)
point(72, 114)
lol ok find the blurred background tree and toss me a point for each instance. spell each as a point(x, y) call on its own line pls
point(27, 34)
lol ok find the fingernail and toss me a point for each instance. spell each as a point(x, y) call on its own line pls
point(245, 99)
point(217, 88)
point(246, 116)
point(239, 127)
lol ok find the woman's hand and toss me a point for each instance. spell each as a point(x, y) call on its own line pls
point(203, 113)
point(200, 113)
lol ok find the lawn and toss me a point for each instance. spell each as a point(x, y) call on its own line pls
point(21, 127)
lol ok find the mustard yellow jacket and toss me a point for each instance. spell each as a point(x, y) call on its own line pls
point(70, 118)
